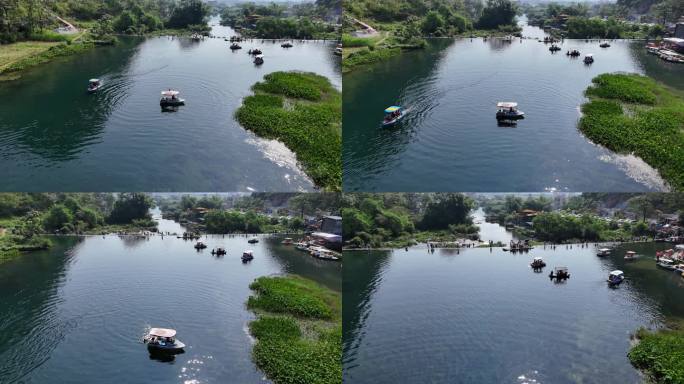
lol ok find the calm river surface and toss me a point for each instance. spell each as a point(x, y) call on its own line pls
point(54, 136)
point(450, 141)
point(77, 312)
point(481, 316)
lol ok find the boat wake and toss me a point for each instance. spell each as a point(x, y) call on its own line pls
point(283, 157)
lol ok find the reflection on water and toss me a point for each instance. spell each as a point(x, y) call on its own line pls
point(484, 316)
point(101, 294)
point(450, 139)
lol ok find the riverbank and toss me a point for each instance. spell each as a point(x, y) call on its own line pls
point(18, 57)
point(304, 111)
point(659, 355)
point(298, 330)
point(630, 113)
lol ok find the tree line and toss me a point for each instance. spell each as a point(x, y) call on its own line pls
point(374, 219)
point(27, 19)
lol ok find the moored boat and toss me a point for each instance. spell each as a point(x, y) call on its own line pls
point(163, 340)
point(666, 264)
point(393, 115)
point(287, 241)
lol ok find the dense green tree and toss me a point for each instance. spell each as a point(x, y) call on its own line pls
point(57, 217)
point(432, 22)
point(129, 207)
point(497, 13)
point(448, 208)
point(189, 12)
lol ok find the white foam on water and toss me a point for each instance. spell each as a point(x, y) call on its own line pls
point(638, 170)
point(282, 156)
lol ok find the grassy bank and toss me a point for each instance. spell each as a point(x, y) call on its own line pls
point(660, 355)
point(298, 330)
point(304, 111)
point(630, 113)
point(25, 55)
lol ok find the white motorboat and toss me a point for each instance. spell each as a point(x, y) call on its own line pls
point(616, 277)
point(163, 340)
point(170, 99)
point(508, 110)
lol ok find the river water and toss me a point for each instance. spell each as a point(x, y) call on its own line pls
point(77, 312)
point(55, 136)
point(450, 139)
point(483, 316)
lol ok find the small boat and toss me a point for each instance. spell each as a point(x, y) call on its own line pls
point(573, 53)
point(616, 277)
point(253, 240)
point(200, 245)
point(393, 115)
point(301, 246)
point(324, 254)
point(554, 48)
point(94, 85)
point(259, 59)
point(218, 251)
point(247, 255)
point(255, 51)
point(588, 58)
point(286, 45)
point(679, 268)
point(666, 264)
point(170, 99)
point(338, 50)
point(603, 252)
point(288, 241)
point(508, 110)
point(163, 340)
point(604, 45)
point(560, 273)
point(653, 50)
point(235, 46)
point(537, 263)
point(630, 255)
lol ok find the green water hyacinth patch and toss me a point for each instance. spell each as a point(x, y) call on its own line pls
point(298, 330)
point(304, 111)
point(660, 355)
point(630, 113)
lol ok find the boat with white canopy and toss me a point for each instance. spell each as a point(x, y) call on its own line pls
point(170, 98)
point(508, 110)
point(616, 277)
point(163, 340)
point(94, 85)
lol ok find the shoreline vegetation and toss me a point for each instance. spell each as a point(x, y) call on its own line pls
point(27, 220)
point(399, 220)
point(304, 111)
point(630, 113)
point(373, 32)
point(279, 20)
point(659, 354)
point(298, 330)
point(33, 34)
